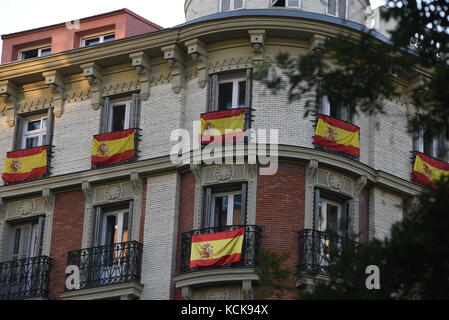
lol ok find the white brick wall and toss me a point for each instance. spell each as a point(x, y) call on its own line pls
point(200, 8)
point(385, 210)
point(160, 236)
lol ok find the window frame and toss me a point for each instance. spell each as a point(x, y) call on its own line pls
point(287, 5)
point(230, 209)
point(100, 37)
point(39, 52)
point(232, 5)
point(435, 144)
point(120, 214)
point(337, 9)
point(119, 102)
point(40, 133)
point(235, 79)
point(339, 205)
point(326, 110)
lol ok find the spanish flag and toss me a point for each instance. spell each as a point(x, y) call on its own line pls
point(214, 124)
point(216, 249)
point(113, 147)
point(337, 135)
point(25, 165)
point(428, 170)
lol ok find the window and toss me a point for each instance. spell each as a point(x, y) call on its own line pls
point(27, 239)
point(93, 40)
point(115, 227)
point(120, 113)
point(225, 206)
point(34, 53)
point(231, 92)
point(228, 5)
point(333, 110)
point(431, 143)
point(34, 132)
point(286, 3)
point(119, 116)
point(338, 8)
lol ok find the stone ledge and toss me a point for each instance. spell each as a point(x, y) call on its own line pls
point(126, 291)
point(215, 276)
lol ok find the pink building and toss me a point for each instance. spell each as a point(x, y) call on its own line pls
point(61, 37)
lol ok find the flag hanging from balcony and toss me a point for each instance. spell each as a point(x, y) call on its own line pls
point(428, 170)
point(216, 249)
point(113, 147)
point(25, 165)
point(215, 124)
point(337, 135)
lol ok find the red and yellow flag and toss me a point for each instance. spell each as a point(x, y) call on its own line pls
point(214, 124)
point(26, 164)
point(337, 135)
point(428, 170)
point(216, 249)
point(113, 147)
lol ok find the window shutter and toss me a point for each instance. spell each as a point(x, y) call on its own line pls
point(50, 126)
point(244, 203)
point(97, 226)
point(207, 210)
point(316, 208)
point(25, 241)
point(16, 243)
point(41, 233)
point(136, 105)
point(130, 219)
point(18, 133)
point(104, 115)
point(212, 103)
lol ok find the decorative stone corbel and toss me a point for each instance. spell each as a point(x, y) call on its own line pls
point(175, 59)
point(141, 62)
point(8, 93)
point(197, 50)
point(55, 81)
point(316, 41)
point(49, 198)
point(93, 74)
point(257, 38)
point(86, 187)
point(247, 290)
point(311, 172)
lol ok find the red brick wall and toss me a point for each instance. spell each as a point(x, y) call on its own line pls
point(280, 211)
point(66, 236)
point(186, 213)
point(364, 216)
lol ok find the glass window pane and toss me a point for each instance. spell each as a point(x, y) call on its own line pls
point(118, 118)
point(293, 3)
point(237, 210)
point(238, 4)
point(226, 5)
point(45, 52)
point(342, 9)
point(33, 125)
point(429, 138)
point(332, 218)
point(32, 142)
point(225, 96)
point(30, 54)
point(109, 38)
point(125, 227)
point(91, 42)
point(44, 123)
point(111, 228)
point(332, 7)
point(242, 94)
point(221, 210)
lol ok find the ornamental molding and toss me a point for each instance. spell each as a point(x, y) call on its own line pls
point(257, 39)
point(174, 57)
point(224, 172)
point(336, 181)
point(217, 293)
point(55, 82)
point(141, 62)
point(41, 103)
point(25, 207)
point(8, 96)
point(113, 192)
point(200, 57)
point(94, 76)
point(233, 63)
point(121, 87)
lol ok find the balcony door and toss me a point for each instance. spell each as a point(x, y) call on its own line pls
point(115, 232)
point(226, 209)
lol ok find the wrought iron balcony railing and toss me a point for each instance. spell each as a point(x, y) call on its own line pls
point(250, 252)
point(25, 278)
point(318, 250)
point(108, 265)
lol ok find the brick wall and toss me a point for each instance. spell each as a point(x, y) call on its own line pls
point(66, 236)
point(280, 211)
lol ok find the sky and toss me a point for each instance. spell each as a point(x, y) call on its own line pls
point(28, 14)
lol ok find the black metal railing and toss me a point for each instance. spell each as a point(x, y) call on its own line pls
point(25, 278)
point(250, 250)
point(108, 265)
point(318, 250)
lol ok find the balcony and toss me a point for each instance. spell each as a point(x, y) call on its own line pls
point(25, 278)
point(236, 278)
point(319, 250)
point(107, 271)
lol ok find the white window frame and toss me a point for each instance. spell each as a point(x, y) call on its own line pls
point(421, 143)
point(287, 5)
point(324, 213)
point(235, 88)
point(337, 10)
point(120, 221)
point(232, 6)
point(39, 51)
point(326, 109)
point(100, 37)
point(114, 103)
point(230, 212)
point(40, 133)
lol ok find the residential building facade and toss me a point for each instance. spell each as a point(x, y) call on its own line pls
point(128, 227)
